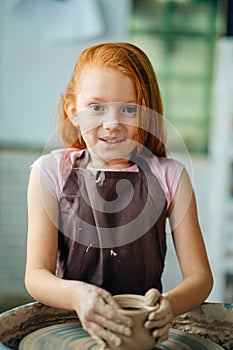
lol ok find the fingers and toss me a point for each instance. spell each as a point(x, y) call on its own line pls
point(108, 299)
point(111, 313)
point(163, 311)
point(103, 337)
point(102, 318)
point(108, 307)
point(113, 326)
point(161, 334)
point(99, 305)
point(106, 328)
point(159, 321)
point(100, 342)
point(152, 296)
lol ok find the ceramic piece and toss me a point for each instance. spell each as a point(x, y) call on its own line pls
point(135, 307)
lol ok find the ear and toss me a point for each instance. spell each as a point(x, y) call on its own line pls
point(71, 112)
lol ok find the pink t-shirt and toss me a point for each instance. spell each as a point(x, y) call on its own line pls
point(54, 169)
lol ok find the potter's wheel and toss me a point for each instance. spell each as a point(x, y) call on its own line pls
point(71, 336)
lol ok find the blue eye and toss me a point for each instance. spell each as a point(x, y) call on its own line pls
point(97, 108)
point(130, 109)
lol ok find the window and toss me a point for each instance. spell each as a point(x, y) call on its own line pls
point(179, 38)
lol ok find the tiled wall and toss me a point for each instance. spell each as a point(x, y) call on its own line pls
point(14, 174)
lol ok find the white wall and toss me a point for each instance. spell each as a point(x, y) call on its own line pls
point(34, 70)
point(36, 65)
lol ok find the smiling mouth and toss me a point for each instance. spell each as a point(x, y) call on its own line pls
point(111, 141)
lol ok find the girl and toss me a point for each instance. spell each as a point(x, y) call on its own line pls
point(97, 209)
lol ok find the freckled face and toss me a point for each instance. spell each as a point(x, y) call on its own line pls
point(106, 106)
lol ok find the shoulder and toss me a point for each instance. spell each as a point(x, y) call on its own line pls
point(168, 172)
point(166, 168)
point(54, 168)
point(58, 156)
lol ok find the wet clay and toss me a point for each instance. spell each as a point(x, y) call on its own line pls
point(211, 321)
point(73, 337)
point(135, 307)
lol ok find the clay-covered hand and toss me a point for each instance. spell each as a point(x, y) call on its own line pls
point(100, 316)
point(159, 320)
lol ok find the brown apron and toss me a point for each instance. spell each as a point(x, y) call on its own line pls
point(112, 228)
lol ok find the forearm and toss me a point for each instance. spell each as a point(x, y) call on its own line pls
point(97, 310)
point(50, 290)
point(190, 293)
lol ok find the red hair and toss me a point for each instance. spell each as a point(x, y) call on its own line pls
point(132, 61)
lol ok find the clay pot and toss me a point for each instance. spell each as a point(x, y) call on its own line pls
point(135, 307)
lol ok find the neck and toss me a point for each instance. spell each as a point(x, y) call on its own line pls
point(113, 164)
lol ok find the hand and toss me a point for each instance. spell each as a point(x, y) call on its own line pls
point(159, 321)
point(100, 316)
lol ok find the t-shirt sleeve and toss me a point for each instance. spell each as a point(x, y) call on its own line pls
point(168, 172)
point(54, 168)
point(173, 175)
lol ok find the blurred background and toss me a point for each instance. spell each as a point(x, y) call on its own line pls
point(191, 47)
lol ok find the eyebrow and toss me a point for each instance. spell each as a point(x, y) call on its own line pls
point(104, 100)
point(96, 98)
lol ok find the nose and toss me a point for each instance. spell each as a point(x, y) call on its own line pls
point(111, 125)
point(111, 121)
